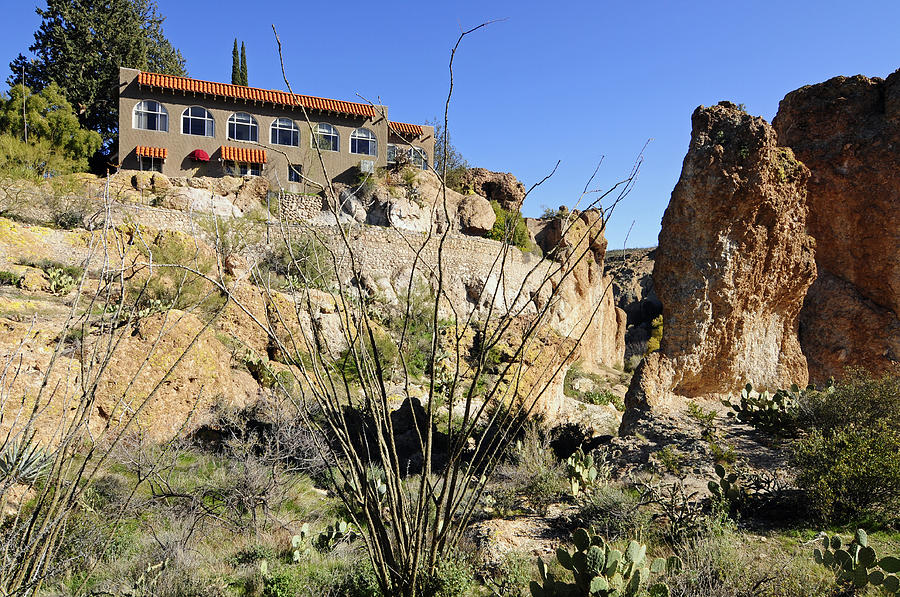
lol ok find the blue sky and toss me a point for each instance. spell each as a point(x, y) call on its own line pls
point(568, 81)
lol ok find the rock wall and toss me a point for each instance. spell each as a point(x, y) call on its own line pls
point(847, 132)
point(732, 267)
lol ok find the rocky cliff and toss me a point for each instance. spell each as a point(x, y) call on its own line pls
point(732, 267)
point(847, 132)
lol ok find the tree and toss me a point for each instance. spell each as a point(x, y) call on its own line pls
point(56, 143)
point(451, 158)
point(80, 46)
point(235, 65)
point(243, 65)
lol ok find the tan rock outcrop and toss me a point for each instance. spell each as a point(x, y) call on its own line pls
point(502, 187)
point(847, 131)
point(733, 265)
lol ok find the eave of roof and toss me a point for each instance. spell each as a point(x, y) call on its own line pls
point(175, 83)
point(404, 128)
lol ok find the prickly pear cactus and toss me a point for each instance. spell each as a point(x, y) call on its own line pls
point(582, 472)
point(857, 564)
point(599, 570)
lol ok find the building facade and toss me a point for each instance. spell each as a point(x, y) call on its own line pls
point(186, 127)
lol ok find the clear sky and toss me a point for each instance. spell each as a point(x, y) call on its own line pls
point(569, 81)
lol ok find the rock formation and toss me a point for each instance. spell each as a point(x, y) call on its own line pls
point(732, 267)
point(847, 132)
point(502, 187)
point(632, 274)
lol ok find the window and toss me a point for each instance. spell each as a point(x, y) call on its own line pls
point(392, 154)
point(151, 116)
point(325, 137)
point(243, 169)
point(294, 172)
point(418, 157)
point(285, 132)
point(147, 163)
point(242, 127)
point(197, 121)
point(363, 141)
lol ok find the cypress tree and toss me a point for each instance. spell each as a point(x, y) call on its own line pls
point(235, 66)
point(243, 65)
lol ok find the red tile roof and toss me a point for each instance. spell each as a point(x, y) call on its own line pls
point(152, 152)
point(254, 94)
point(244, 154)
point(407, 129)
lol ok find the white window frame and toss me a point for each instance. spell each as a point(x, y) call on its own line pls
point(147, 163)
point(363, 134)
point(330, 132)
point(413, 152)
point(287, 125)
point(392, 148)
point(243, 168)
point(253, 127)
point(295, 170)
point(206, 118)
point(142, 110)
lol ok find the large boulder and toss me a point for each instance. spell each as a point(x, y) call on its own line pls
point(847, 131)
point(476, 216)
point(502, 187)
point(732, 267)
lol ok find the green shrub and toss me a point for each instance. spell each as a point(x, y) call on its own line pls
point(511, 577)
point(9, 278)
point(614, 512)
point(857, 565)
point(509, 227)
point(453, 577)
point(300, 261)
point(656, 333)
point(175, 287)
point(849, 462)
point(851, 473)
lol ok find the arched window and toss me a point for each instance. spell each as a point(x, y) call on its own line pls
point(363, 141)
point(151, 116)
point(242, 127)
point(325, 137)
point(197, 121)
point(285, 132)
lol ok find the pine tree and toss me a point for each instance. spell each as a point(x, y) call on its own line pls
point(243, 65)
point(235, 65)
point(80, 46)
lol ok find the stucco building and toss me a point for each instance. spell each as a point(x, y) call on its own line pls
point(187, 127)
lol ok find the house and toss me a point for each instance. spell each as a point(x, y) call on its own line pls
point(187, 127)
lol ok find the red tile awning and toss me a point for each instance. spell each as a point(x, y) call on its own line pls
point(151, 152)
point(198, 155)
point(254, 94)
point(244, 155)
point(405, 128)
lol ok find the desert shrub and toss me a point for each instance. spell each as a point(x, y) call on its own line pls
point(511, 577)
point(851, 473)
point(614, 512)
point(723, 563)
point(231, 236)
point(632, 362)
point(9, 278)
point(656, 333)
point(849, 462)
point(300, 260)
point(383, 346)
point(412, 321)
point(45, 265)
point(176, 287)
point(453, 577)
point(509, 227)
